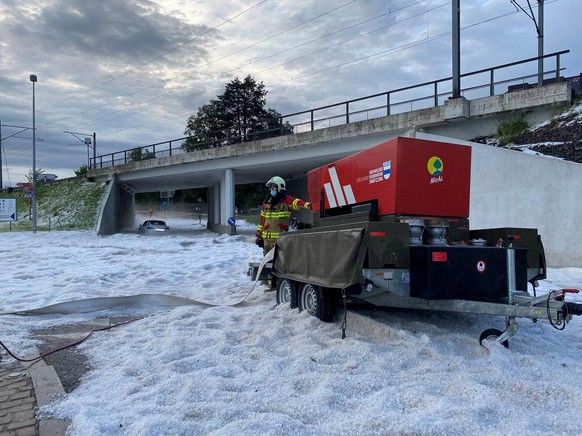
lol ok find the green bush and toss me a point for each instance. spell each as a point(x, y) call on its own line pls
point(508, 129)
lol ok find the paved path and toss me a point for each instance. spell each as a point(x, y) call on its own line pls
point(17, 400)
point(22, 390)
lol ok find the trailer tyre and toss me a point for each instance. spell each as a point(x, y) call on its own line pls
point(312, 300)
point(286, 292)
point(491, 335)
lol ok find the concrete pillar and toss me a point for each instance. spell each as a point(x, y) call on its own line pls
point(227, 196)
point(216, 218)
point(221, 204)
point(209, 206)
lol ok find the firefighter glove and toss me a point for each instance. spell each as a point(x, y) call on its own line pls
point(259, 241)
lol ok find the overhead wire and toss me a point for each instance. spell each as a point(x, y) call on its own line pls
point(309, 76)
point(287, 50)
point(232, 54)
point(191, 40)
point(227, 20)
point(352, 63)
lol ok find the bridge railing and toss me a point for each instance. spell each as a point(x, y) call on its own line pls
point(481, 83)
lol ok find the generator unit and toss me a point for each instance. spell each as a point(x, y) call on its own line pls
point(391, 227)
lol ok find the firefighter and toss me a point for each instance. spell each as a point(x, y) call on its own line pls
point(275, 213)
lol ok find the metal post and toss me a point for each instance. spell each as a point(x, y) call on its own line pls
point(33, 79)
point(511, 279)
point(1, 185)
point(88, 144)
point(456, 48)
point(347, 112)
point(492, 83)
point(94, 149)
point(541, 42)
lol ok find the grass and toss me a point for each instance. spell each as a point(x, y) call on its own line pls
point(509, 128)
point(72, 204)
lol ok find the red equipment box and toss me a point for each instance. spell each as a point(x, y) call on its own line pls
point(407, 176)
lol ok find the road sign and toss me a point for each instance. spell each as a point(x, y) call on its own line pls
point(24, 185)
point(7, 209)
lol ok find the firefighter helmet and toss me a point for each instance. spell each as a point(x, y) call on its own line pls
point(276, 180)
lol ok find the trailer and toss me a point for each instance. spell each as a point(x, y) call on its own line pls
point(391, 228)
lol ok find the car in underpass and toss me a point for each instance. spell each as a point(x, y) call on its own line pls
point(153, 227)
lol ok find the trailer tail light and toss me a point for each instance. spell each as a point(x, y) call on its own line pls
point(439, 256)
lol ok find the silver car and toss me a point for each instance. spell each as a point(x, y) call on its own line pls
point(153, 227)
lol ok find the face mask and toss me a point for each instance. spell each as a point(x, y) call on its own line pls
point(273, 192)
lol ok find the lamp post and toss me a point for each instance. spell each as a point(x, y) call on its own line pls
point(33, 79)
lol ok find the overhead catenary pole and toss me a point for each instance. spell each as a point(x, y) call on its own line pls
point(1, 185)
point(33, 79)
point(87, 141)
point(94, 151)
point(2, 147)
point(456, 48)
point(540, 30)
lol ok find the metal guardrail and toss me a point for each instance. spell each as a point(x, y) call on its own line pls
point(382, 104)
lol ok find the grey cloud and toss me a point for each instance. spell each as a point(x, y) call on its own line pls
point(134, 31)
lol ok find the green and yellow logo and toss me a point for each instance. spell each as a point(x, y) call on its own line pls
point(435, 166)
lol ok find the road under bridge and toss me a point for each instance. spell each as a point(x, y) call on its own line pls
point(291, 156)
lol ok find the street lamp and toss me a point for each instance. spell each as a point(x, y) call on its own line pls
point(33, 79)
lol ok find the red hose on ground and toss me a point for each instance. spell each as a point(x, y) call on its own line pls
point(42, 356)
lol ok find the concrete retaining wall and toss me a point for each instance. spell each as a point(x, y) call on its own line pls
point(514, 189)
point(117, 210)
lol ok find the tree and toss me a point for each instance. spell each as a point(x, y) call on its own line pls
point(82, 171)
point(38, 172)
point(249, 197)
point(138, 154)
point(238, 115)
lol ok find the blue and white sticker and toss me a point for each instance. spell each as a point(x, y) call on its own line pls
point(387, 166)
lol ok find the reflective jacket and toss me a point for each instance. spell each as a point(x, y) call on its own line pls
point(275, 214)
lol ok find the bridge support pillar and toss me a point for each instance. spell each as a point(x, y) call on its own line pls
point(222, 207)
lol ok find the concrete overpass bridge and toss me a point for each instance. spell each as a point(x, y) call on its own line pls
point(318, 140)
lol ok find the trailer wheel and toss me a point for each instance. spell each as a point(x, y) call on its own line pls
point(491, 335)
point(285, 291)
point(312, 299)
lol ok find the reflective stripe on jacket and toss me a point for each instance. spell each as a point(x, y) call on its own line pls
point(275, 218)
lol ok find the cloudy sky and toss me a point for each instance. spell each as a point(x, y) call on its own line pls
point(132, 71)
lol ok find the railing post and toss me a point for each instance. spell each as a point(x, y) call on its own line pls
point(170, 148)
point(557, 67)
point(347, 112)
point(312, 124)
point(387, 103)
point(436, 94)
point(492, 83)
